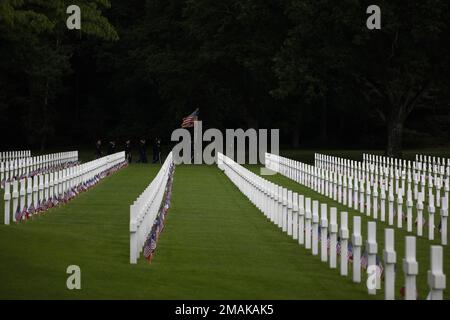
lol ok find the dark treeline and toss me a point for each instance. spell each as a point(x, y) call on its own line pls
point(308, 67)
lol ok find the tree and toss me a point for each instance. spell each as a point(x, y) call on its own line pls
point(310, 65)
point(405, 63)
point(329, 52)
point(36, 53)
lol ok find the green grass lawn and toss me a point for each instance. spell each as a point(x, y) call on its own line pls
point(216, 245)
point(422, 243)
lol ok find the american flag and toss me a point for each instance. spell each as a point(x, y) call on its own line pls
point(350, 251)
point(364, 261)
point(188, 122)
point(30, 211)
point(150, 247)
point(380, 269)
point(19, 214)
point(147, 249)
point(338, 247)
point(423, 222)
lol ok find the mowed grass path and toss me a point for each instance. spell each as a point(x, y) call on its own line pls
point(91, 232)
point(216, 245)
point(422, 243)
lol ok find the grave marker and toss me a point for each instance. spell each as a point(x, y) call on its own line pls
point(333, 237)
point(308, 218)
point(315, 228)
point(410, 268)
point(357, 243)
point(390, 258)
point(344, 235)
point(436, 277)
point(372, 249)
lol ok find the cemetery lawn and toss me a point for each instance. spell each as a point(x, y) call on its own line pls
point(422, 243)
point(216, 245)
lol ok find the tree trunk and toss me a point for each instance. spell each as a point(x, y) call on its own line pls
point(394, 138)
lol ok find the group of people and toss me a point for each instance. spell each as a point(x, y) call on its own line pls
point(142, 148)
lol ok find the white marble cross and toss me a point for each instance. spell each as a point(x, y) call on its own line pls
point(357, 243)
point(308, 217)
point(410, 268)
point(323, 232)
point(333, 237)
point(315, 228)
point(436, 276)
point(344, 235)
point(390, 258)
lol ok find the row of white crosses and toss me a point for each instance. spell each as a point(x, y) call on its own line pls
point(32, 192)
point(384, 169)
point(23, 167)
point(434, 175)
point(300, 218)
point(145, 208)
point(435, 161)
point(423, 164)
point(12, 155)
point(353, 187)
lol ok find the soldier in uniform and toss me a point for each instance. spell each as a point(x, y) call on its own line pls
point(157, 151)
point(112, 147)
point(98, 149)
point(142, 151)
point(128, 155)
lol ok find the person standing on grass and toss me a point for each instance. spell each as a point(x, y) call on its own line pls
point(157, 151)
point(98, 149)
point(142, 151)
point(128, 155)
point(112, 147)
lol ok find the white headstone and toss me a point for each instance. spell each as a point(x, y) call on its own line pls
point(324, 232)
point(15, 198)
point(410, 268)
point(372, 249)
point(315, 228)
point(444, 217)
point(295, 219)
point(289, 213)
point(390, 258)
point(301, 219)
point(391, 205)
point(308, 221)
point(409, 207)
point(431, 211)
point(7, 198)
point(333, 237)
point(436, 276)
point(344, 235)
point(357, 243)
point(400, 209)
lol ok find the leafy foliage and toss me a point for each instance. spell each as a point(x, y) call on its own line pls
point(309, 67)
